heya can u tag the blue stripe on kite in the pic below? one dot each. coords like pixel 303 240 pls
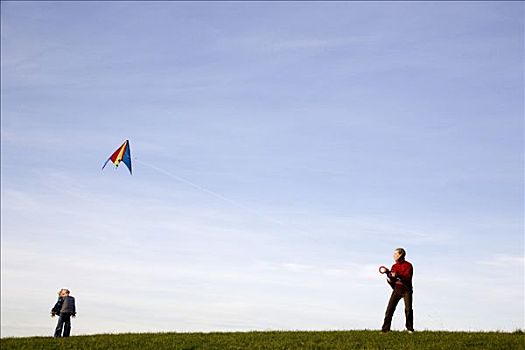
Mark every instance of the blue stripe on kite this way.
pixel 126 158
pixel 106 162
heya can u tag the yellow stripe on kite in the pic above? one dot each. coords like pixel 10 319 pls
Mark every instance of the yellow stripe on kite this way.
pixel 120 154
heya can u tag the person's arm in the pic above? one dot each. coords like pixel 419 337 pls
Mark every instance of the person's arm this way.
pixel 390 278
pixel 393 274
pixel 56 309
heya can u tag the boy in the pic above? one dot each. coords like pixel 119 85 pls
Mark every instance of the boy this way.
pixel 400 279
pixel 64 308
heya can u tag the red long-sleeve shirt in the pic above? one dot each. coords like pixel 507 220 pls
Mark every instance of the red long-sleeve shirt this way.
pixel 404 272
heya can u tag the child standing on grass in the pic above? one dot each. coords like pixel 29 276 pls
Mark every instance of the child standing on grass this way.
pixel 64 309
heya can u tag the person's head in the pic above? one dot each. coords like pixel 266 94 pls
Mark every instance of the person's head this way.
pixel 63 292
pixel 399 254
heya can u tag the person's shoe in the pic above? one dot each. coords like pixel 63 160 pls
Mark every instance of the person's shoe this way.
pixel 410 331
pixel 385 331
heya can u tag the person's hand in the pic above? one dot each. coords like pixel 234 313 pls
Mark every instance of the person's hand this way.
pixel 73 316
pixel 393 274
pixel 52 315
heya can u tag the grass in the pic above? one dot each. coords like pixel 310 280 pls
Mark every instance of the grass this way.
pixel 276 340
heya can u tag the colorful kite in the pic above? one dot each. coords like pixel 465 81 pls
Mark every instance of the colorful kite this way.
pixel 122 154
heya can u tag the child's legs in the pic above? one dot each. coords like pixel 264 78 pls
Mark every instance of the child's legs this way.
pixel 67 324
pixel 58 329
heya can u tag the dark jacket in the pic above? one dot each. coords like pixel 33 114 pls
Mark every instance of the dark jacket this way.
pixel 64 305
pixel 68 306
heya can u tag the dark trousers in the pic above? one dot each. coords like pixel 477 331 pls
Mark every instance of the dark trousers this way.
pixel 64 322
pixel 398 294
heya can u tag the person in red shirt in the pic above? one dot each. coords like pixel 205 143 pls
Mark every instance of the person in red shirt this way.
pixel 400 279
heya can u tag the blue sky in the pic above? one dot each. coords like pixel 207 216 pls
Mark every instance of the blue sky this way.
pixel 334 132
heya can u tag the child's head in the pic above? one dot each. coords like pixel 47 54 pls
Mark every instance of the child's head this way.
pixel 63 292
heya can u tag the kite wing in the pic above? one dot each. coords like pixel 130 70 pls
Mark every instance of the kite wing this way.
pixel 122 154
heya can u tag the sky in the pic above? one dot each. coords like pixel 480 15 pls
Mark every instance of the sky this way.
pixel 281 152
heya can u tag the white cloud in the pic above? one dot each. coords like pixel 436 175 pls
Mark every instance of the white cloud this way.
pixel 504 260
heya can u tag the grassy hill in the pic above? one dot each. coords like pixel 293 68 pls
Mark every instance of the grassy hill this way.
pixel 277 340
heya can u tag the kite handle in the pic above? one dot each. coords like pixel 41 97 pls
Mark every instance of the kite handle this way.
pixel 383 269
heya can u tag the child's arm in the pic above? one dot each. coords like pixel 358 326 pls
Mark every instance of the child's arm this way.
pixel 56 309
pixel 74 308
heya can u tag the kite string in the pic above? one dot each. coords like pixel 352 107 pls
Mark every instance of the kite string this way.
pixel 188 182
pixel 213 193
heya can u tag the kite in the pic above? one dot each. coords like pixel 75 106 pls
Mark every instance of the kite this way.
pixel 122 154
